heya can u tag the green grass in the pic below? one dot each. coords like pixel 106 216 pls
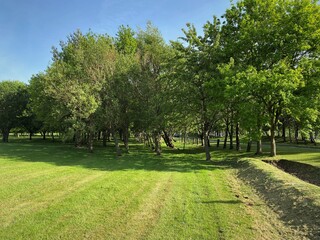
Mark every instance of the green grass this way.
pixel 53 191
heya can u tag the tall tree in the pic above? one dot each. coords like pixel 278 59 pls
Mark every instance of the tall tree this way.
pixel 198 76
pixel 150 111
pixel 272 37
pixel 13 101
pixel 77 76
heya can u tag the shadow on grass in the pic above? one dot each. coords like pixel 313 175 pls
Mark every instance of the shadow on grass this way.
pixel 104 159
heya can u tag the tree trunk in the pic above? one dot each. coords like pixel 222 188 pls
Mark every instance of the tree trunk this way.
pixel 231 136
pixel 77 136
pixel 312 140
pixel 296 133
pixel 116 143
pixel 157 143
pixel 30 136
pixel 273 149
pixel 206 145
pixel 218 143
pixel 104 138
pixel 201 138
pixel 226 135
pixel 249 146
pixel 126 138
pixel 149 142
pixel 290 135
pixel 5 135
pixel 167 139
pixel 259 147
pixel 90 141
pixel 44 135
pixel 238 146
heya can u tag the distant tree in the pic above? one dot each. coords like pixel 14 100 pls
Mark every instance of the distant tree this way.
pixel 13 102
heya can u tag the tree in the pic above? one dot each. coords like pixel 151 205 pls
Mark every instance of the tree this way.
pixel 126 73
pixel 13 101
pixel 149 108
pixel 198 76
pixel 77 76
pixel 272 37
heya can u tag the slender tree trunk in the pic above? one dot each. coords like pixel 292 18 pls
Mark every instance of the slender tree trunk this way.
pixel 126 138
pixel 5 135
pixel 168 139
pixel 273 149
pixel 30 136
pixel 90 141
pixel 312 140
pixel 290 135
pixel 226 135
pixel 150 142
pixel 52 136
pixel 116 142
pixel 44 135
pixel 238 146
pixel 77 136
pixel 157 143
pixel 104 138
pixel 231 136
pixel 218 143
pixel 249 146
pixel 259 147
pixel 206 145
pixel 296 133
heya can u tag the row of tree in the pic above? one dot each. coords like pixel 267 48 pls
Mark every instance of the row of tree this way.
pixel 253 70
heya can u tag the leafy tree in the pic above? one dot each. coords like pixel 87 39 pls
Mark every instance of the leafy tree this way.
pixel 77 76
pixel 13 101
pixel 272 37
pixel 198 76
pixel 149 110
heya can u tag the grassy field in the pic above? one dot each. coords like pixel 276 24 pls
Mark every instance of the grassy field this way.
pixel 53 191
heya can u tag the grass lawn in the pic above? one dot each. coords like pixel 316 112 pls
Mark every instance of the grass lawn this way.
pixel 53 191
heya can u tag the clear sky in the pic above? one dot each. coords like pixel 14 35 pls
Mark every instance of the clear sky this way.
pixel 29 28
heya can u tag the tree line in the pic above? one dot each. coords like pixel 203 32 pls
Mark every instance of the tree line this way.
pixel 253 71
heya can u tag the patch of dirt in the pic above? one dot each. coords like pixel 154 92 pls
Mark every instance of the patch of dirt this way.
pixel 305 172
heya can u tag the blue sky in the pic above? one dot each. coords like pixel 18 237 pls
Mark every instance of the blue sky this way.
pixel 29 28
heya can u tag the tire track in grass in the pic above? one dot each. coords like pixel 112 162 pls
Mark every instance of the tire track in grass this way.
pixel 14 212
pixel 120 223
pixel 90 217
pixel 147 216
pixel 184 215
pixel 38 224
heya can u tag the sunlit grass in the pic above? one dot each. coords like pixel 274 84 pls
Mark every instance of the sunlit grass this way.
pixel 52 191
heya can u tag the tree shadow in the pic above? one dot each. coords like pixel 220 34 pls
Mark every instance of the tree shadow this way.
pixel 105 159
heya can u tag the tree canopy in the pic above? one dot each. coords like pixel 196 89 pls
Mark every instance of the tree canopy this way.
pixel 251 72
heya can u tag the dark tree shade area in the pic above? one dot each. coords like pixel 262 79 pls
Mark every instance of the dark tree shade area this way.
pixel 254 72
